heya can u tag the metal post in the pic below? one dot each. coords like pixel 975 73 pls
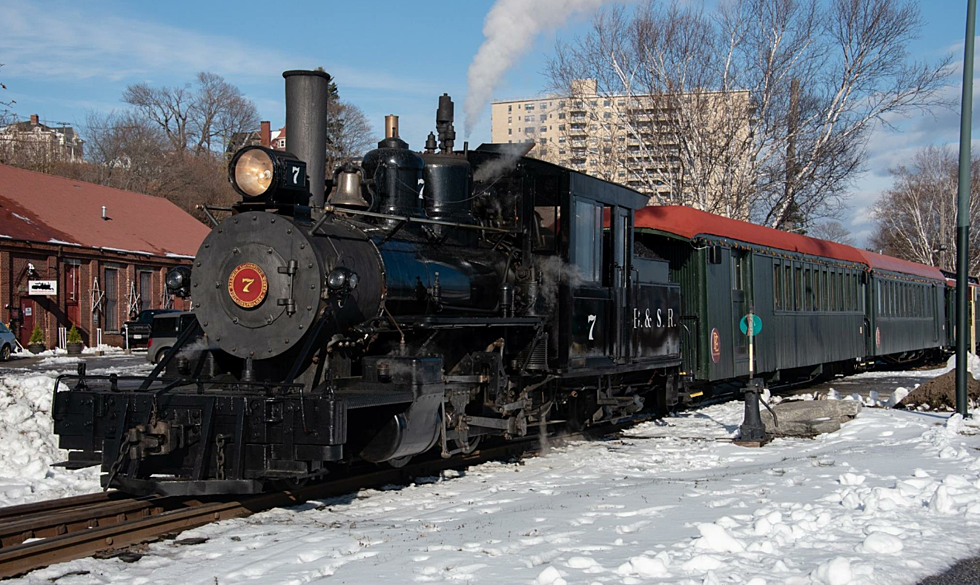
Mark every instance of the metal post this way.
pixel 963 215
pixel 752 432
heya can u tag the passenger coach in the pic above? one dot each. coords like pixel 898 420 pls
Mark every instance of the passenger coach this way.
pixel 824 308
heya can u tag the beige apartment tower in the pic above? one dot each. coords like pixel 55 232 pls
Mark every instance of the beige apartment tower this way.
pixel 680 150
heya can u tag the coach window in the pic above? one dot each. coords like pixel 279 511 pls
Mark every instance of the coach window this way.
pixel 808 289
pixel 798 287
pixel 788 286
pixel 588 248
pixel 832 289
pixel 777 285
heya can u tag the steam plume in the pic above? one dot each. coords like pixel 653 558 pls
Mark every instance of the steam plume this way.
pixel 510 28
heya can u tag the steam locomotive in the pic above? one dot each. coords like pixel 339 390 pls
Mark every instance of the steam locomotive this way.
pixel 438 298
pixel 432 300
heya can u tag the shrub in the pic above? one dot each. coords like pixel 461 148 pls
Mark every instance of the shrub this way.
pixel 37 336
pixel 74 335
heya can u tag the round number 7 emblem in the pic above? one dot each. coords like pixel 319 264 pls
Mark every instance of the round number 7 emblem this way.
pixel 247 285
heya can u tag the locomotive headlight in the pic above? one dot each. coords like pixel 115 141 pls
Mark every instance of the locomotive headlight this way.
pixel 253 172
pixel 259 173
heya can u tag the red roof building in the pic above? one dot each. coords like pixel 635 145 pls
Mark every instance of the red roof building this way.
pixel 76 253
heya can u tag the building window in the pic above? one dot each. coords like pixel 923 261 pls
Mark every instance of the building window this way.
pixel 543 129
pixel 111 299
pixel 510 131
pixel 607 115
pixel 510 109
pixel 543 105
pixel 561 104
pixel 528 118
pixel 529 107
pixel 543 141
pixel 542 117
pixel 146 290
pixel 510 119
pixel 606 103
pixel 621 102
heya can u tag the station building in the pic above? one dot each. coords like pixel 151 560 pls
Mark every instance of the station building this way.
pixel 76 253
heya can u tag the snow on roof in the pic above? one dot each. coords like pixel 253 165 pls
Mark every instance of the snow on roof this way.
pixel 45 208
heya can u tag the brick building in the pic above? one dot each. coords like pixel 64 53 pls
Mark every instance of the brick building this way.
pixel 77 253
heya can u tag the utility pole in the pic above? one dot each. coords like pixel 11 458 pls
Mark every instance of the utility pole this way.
pixel 963 216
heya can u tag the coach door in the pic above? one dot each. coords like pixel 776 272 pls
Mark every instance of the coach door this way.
pixel 741 303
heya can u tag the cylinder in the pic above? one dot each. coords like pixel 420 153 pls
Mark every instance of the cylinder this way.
pixel 306 125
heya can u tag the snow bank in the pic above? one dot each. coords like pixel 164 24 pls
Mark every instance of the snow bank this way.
pixel 29 445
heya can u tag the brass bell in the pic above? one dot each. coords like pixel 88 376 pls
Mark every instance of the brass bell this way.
pixel 348 191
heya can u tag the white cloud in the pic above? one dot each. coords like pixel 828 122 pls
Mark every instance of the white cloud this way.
pixel 69 42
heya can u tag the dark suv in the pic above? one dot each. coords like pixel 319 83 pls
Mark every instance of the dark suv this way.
pixel 165 330
pixel 138 330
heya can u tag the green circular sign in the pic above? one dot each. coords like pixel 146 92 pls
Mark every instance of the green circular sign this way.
pixel 756 325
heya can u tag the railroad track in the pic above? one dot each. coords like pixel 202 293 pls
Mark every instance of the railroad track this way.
pixel 33 536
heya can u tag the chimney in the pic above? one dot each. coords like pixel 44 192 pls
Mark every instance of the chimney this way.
pixel 265 134
pixel 34 120
pixel 103 212
pixel 306 125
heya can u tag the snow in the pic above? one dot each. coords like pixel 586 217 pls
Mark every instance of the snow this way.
pixel 890 498
pixel 30 446
pixel 62 242
pixel 173 255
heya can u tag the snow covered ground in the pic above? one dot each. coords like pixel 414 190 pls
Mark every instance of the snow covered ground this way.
pixel 890 498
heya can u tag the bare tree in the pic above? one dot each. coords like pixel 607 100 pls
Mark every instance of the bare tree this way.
pixel 916 218
pixel 125 149
pixel 196 117
pixel 6 115
pixel 349 134
pixel 761 106
pixel 832 231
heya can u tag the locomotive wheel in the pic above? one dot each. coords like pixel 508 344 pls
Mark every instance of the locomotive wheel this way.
pixel 399 462
pixel 291 484
pixel 468 446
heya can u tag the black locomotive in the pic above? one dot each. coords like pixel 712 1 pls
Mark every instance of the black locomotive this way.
pixel 434 299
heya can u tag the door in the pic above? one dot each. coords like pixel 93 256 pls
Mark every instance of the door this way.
pixel 741 304
pixel 27 322
pixel 72 295
pixel 621 253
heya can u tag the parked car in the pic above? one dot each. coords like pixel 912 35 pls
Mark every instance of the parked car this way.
pixel 8 342
pixel 138 330
pixel 164 330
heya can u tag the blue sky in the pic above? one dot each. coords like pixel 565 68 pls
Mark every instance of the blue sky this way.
pixel 63 59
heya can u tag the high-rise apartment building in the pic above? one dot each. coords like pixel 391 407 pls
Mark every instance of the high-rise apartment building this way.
pixel 688 149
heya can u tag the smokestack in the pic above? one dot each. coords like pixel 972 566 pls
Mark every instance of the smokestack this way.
pixel 391 126
pixel 265 134
pixel 306 125
pixel 34 119
pixel 103 212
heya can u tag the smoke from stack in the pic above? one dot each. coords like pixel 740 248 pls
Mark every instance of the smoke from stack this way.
pixel 510 28
pixel 493 168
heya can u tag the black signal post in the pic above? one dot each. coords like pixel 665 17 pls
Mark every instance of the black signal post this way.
pixel 963 216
